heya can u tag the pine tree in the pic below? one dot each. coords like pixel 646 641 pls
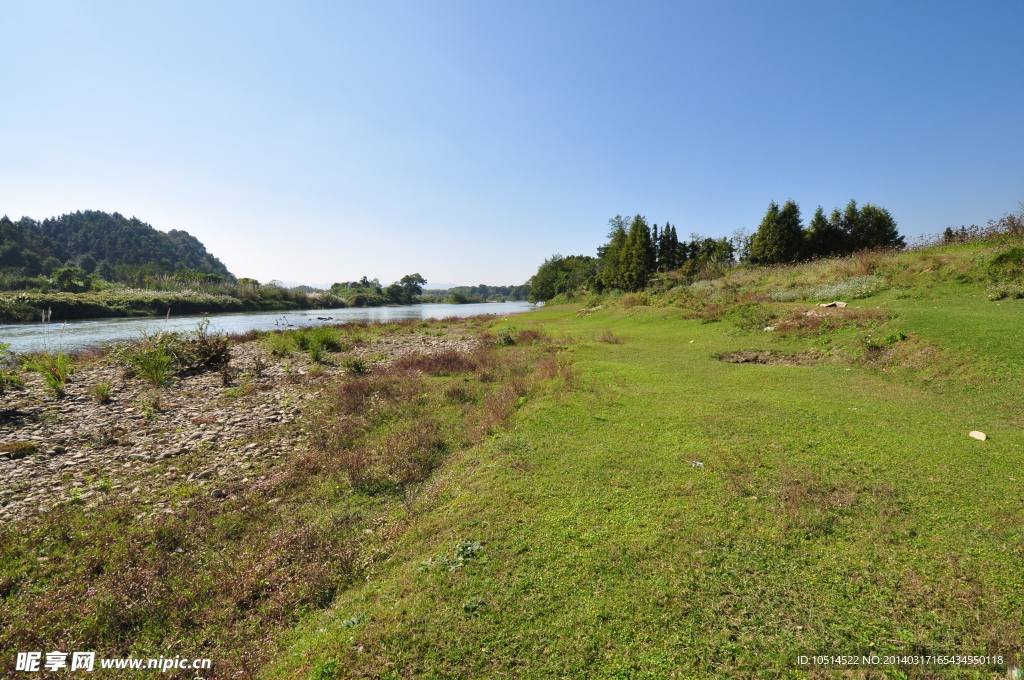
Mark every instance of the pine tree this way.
pixel 636 262
pixel 824 237
pixel 611 253
pixel 780 236
pixel 676 248
pixel 878 228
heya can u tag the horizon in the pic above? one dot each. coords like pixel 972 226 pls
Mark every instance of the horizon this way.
pixel 317 142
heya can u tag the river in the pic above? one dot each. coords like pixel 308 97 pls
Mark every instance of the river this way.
pixel 90 333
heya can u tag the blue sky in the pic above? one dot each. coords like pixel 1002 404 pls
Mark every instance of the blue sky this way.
pixel 317 142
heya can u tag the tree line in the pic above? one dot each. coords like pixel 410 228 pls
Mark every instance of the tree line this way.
pixel 636 251
pixel 108 246
pixel 782 238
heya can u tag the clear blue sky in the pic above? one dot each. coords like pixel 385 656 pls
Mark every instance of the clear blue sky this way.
pixel 467 141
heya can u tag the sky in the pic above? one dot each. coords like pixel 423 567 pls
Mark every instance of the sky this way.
pixel 467 141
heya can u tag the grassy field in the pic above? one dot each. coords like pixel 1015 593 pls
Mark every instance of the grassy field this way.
pixel 707 479
pixel 662 513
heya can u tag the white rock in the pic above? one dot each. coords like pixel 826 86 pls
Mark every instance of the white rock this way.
pixel 978 435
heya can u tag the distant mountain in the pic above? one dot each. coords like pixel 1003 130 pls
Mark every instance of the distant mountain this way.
pixel 101 241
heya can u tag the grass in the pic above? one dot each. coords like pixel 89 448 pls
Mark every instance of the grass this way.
pixel 222 578
pixel 54 368
pixel 838 505
pixel 657 488
pixel 101 392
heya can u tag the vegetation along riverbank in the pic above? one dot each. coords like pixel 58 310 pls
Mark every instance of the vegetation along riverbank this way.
pixel 705 478
pixel 92 264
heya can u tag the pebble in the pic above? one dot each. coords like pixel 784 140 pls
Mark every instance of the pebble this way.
pixel 115 450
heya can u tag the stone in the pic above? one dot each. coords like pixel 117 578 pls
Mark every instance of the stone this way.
pixel 833 304
pixel 218 493
pixel 978 435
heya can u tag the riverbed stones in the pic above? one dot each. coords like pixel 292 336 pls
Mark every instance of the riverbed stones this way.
pixel 123 449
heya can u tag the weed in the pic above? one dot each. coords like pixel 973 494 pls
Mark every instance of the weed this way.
pixel 228 374
pixel 317 352
pixel 328 670
pixel 18 449
pixel 610 338
pixel 55 369
pixel 279 344
pixel 356 366
pixel 9 381
pixel 101 392
pixel 505 338
pixel 154 365
pixel 354 621
pixel 258 366
pixel 473 606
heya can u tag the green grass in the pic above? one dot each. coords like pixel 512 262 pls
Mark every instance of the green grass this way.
pixel 840 507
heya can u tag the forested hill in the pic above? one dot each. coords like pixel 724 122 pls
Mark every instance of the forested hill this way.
pixel 101 241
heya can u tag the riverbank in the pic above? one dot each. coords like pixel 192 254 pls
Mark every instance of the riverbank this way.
pixel 16 306
pixel 210 513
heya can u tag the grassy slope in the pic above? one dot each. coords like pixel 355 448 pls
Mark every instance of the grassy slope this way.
pixel 840 510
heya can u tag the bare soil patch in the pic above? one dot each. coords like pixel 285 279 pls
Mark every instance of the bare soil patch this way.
pixel 770 357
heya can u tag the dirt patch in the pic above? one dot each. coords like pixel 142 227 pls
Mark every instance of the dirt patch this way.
pixel 769 357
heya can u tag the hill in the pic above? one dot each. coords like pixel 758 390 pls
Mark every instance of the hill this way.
pixel 102 242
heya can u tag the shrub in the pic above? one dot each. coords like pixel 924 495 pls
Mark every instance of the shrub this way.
pixel 1007 265
pixel 55 369
pixel 505 338
pixel 356 366
pixel 169 353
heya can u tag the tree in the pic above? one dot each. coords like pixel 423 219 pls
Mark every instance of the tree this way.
pixel 562 275
pixel 637 259
pixel 824 237
pixel 395 293
pixel 609 254
pixel 412 285
pixel 878 228
pixel 779 238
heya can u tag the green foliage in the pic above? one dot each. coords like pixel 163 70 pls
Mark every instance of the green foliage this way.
pixel 1007 265
pixel 159 357
pixel 356 366
pixel 610 254
pixel 328 670
pixel 779 237
pixel 54 368
pixel 824 237
pixel 505 338
pixel 560 275
pixel 10 380
pixel 154 364
pixel 637 257
pixel 480 293
pixel 101 392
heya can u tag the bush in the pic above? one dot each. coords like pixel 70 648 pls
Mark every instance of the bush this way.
pixel 1007 265
pixel 163 355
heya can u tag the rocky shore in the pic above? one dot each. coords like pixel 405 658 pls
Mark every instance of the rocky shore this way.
pixel 141 445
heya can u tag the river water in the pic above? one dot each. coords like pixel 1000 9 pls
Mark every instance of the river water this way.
pixel 90 333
